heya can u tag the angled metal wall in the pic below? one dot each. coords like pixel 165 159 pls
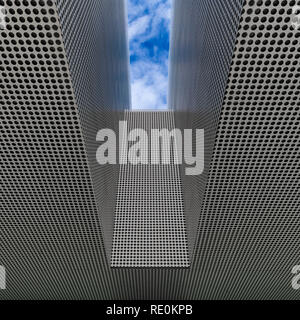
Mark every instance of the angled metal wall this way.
pixel 202 43
pixel 95 39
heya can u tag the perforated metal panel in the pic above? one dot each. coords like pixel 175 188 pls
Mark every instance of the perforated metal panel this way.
pixel 250 219
pixel 51 242
pixel 247 241
pixel 150 222
pixel 48 209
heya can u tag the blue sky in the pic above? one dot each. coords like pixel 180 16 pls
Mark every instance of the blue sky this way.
pixel 149 30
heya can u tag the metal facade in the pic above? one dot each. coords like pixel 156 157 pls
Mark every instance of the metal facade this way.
pixel 234 72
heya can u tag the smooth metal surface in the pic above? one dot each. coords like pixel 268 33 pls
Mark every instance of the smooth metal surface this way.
pixel 202 42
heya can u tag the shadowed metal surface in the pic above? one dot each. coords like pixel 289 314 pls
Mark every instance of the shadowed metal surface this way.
pixel 202 42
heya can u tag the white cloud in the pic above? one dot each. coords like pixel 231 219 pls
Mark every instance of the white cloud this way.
pixel 149 17
pixel 149 87
pixel 138 26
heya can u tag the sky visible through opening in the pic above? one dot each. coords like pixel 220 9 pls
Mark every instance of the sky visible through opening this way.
pixel 149 33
